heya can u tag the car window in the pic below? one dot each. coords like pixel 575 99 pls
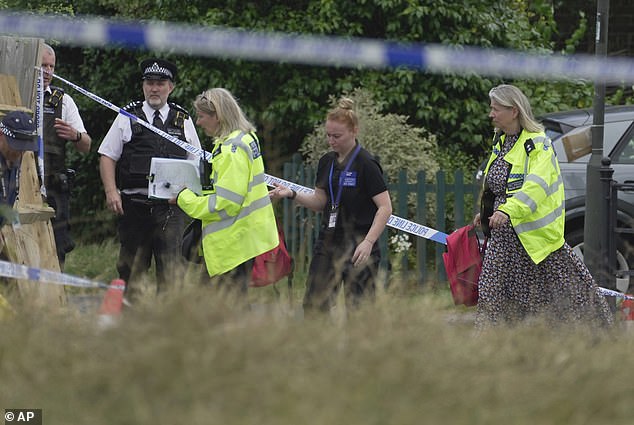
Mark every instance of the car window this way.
pixel 612 133
pixel 624 154
pixel 553 133
pixel 576 144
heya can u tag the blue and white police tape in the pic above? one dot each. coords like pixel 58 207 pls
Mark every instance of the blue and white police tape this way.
pixel 39 121
pixel 19 271
pixel 186 146
pixel 316 50
pixel 395 222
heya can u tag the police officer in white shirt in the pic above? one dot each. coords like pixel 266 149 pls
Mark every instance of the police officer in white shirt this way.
pixel 148 228
pixel 63 126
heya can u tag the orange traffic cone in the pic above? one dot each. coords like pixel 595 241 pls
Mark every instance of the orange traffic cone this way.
pixel 112 302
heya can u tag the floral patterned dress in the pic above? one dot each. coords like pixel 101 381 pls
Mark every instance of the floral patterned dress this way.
pixel 512 286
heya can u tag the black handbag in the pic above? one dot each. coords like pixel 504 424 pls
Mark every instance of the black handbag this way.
pixel 486 209
pixel 192 237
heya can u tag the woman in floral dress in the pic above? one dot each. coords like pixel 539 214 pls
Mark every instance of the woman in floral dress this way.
pixel 528 268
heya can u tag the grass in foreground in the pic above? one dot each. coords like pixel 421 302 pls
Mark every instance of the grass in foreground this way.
pixel 412 358
pixel 194 358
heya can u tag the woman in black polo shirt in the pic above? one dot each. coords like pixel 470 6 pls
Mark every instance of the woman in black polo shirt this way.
pixel 352 196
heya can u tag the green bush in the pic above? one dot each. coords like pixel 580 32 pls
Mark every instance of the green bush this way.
pixel 397 144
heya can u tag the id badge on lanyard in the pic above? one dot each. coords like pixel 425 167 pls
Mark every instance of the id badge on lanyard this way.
pixel 346 178
pixel 332 218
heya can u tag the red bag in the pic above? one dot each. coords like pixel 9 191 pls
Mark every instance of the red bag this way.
pixel 463 263
pixel 273 265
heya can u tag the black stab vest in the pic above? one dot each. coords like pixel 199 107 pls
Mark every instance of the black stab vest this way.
pixel 54 146
pixel 134 165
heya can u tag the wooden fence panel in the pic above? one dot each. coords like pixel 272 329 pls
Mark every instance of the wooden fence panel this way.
pixel 20 55
pixel 453 200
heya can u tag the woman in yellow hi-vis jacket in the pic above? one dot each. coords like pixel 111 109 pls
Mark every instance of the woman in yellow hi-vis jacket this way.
pixel 238 222
pixel 528 268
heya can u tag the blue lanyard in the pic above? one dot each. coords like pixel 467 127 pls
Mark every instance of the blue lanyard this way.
pixel 335 204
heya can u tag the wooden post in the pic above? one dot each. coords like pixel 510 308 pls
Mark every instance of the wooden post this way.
pixel 31 242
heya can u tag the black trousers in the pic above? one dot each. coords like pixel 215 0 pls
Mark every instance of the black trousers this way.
pixel 236 280
pixel 331 267
pixel 59 200
pixel 149 229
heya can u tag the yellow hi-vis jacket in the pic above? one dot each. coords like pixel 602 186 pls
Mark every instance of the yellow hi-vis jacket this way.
pixel 238 222
pixel 535 194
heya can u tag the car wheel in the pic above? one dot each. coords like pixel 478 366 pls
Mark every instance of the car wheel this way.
pixel 623 262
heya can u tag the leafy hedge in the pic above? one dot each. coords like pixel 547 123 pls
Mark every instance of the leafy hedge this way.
pixel 287 101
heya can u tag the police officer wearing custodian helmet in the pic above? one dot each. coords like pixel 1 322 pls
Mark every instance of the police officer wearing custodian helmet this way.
pixel 147 228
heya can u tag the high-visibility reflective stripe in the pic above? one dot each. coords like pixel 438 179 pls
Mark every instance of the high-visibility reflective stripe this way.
pixel 211 205
pixel 526 200
pixel 223 215
pixel 229 221
pixel 236 197
pixel 542 222
pixel 548 190
pixel 554 162
pixel 237 141
pixel 230 195
pixel 257 179
pixel 543 141
pixel 211 202
pixel 244 147
pixel 537 179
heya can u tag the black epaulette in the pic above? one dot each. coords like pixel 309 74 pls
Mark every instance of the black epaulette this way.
pixel 180 116
pixel 132 108
pixel 133 105
pixel 529 146
pixel 57 93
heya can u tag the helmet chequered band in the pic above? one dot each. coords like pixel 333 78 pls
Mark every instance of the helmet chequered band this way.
pixel 6 131
pixel 156 69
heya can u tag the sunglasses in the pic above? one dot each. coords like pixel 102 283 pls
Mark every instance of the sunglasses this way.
pixel 212 107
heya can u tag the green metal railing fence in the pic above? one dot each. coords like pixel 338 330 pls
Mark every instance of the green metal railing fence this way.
pixel 444 204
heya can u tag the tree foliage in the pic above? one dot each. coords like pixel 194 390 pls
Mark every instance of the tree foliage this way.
pixel 287 101
pixel 397 144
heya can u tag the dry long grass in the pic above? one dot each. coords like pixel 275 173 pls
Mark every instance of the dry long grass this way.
pixel 194 358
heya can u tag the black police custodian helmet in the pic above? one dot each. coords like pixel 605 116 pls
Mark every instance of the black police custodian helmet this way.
pixel 158 69
pixel 19 129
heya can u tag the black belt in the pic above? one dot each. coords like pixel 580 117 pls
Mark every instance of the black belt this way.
pixel 56 181
pixel 138 198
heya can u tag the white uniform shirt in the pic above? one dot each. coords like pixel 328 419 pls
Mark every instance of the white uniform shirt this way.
pixel 120 133
pixel 70 112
